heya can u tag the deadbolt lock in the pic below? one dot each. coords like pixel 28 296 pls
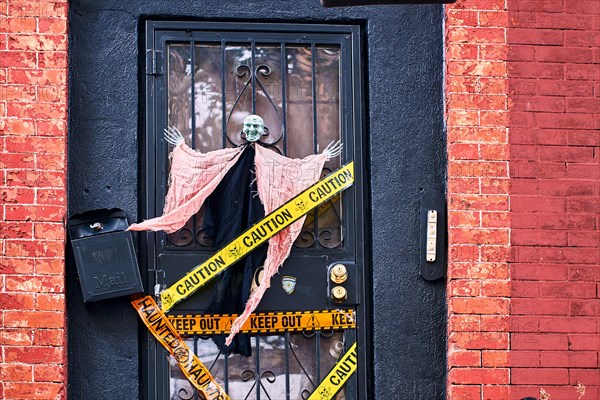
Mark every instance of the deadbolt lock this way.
pixel 339 274
pixel 339 294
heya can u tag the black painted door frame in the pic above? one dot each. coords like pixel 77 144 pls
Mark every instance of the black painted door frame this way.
pixel 405 155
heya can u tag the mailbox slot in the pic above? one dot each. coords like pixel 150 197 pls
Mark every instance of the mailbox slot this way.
pixel 104 255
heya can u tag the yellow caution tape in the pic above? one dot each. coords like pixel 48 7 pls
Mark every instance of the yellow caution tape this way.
pixel 258 234
pixel 338 376
pixel 266 322
pixel 159 325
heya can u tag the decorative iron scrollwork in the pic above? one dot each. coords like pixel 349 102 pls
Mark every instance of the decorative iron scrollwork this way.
pixel 249 374
pixel 253 82
pixel 203 239
pixel 182 237
pixel 185 393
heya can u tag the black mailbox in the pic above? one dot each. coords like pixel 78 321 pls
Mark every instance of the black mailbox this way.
pixel 104 254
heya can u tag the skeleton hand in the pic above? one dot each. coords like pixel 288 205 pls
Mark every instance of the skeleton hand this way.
pixel 173 136
pixel 333 149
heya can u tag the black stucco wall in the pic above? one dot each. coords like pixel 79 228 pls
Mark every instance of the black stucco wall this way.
pixel 404 87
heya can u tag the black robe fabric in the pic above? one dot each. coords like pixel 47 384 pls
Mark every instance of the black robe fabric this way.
pixel 233 207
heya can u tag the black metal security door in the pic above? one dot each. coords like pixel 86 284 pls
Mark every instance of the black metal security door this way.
pixel 304 81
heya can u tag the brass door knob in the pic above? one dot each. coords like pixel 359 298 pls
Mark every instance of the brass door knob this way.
pixel 339 294
pixel 339 273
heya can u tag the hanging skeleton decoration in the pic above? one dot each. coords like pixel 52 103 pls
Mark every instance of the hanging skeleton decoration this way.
pixel 227 176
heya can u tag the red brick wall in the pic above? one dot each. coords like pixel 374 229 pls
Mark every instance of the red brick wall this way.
pixel 478 200
pixel 33 44
pixel 554 135
pixel 523 109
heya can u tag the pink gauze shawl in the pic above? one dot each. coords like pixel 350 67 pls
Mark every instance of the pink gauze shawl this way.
pixel 194 176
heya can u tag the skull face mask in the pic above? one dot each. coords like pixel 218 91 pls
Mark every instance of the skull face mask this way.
pixel 253 128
